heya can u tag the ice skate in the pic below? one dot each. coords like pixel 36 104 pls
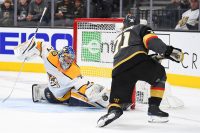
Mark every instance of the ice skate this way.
pixel 113 114
pixel 156 115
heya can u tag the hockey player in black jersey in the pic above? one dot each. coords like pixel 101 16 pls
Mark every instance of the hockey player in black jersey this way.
pixel 132 63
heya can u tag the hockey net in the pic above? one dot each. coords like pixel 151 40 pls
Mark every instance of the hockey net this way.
pixel 142 94
pixel 94 46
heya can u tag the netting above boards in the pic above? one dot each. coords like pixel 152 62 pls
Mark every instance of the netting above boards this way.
pixel 94 45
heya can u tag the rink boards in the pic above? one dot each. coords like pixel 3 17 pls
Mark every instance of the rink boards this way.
pixel 184 74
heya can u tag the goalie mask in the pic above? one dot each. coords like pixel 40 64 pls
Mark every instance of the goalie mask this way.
pixel 66 57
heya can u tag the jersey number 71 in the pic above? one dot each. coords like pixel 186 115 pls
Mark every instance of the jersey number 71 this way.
pixel 122 41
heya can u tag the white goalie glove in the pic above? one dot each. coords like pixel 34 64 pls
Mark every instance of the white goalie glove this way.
pixel 96 92
pixel 26 50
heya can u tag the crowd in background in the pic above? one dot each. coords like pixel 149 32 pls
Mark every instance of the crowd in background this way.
pixel 29 12
pixel 65 11
pixel 177 14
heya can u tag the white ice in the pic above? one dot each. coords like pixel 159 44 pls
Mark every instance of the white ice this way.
pixel 20 115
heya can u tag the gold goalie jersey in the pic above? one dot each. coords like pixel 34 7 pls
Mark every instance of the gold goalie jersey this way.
pixel 60 81
pixel 65 79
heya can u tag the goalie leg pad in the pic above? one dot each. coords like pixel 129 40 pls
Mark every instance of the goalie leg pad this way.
pixel 96 92
pixel 104 100
pixel 78 99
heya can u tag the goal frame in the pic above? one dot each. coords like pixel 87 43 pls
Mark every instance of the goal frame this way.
pixel 77 20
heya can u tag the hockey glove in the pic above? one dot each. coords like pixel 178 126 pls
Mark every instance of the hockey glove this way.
pixel 26 50
pixel 174 54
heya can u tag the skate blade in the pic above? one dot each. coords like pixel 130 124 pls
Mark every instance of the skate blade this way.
pixel 103 121
pixel 157 119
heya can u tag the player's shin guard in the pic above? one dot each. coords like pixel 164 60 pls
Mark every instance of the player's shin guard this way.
pixel 154 113
pixel 114 113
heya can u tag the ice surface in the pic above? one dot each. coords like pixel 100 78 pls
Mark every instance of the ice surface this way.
pixel 20 115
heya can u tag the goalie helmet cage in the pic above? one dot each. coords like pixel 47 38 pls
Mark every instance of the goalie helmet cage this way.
pixel 93 42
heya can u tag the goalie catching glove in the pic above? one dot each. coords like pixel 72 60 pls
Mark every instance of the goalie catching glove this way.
pixel 26 50
pixel 174 54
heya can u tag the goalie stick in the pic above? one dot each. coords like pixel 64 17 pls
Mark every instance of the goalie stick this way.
pixel 27 49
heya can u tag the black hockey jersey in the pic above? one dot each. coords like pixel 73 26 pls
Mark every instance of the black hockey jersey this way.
pixel 132 47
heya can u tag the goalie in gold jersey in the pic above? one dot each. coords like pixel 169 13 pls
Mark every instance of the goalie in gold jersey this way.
pixel 66 84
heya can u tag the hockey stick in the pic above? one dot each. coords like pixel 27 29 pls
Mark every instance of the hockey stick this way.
pixel 28 48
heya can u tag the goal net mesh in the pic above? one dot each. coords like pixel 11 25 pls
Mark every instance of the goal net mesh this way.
pixel 95 45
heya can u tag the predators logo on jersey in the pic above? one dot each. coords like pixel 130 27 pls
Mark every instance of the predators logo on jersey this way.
pixel 53 81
